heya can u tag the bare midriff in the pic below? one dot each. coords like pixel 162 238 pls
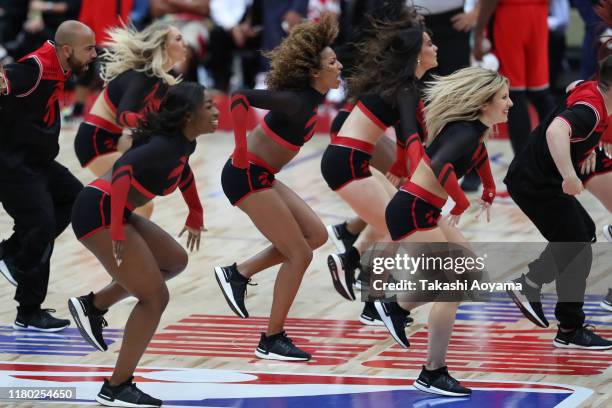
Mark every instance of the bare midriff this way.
pixel 358 126
pixel 100 108
pixel 425 178
pixel 262 146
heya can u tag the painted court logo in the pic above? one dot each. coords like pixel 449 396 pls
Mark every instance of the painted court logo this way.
pixel 221 388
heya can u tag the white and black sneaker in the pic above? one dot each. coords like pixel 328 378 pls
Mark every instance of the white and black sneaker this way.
pixel 234 288
pixel 529 301
pixel 607 231
pixel 370 317
pixel 341 276
pixel 582 338
pixel 89 320
pixel 125 395
pixel 606 303
pixel 395 319
pixel 8 270
pixel 341 237
pixel 39 320
pixel 279 347
pixel 440 382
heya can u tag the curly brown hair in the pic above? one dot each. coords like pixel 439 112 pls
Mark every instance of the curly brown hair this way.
pixel 292 63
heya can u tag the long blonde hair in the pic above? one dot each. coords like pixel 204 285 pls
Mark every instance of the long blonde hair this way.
pixel 459 96
pixel 142 51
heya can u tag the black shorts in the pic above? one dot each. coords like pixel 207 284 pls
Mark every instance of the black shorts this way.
pixel 239 183
pixel 342 164
pixel 94 139
pixel 91 211
pixel 406 213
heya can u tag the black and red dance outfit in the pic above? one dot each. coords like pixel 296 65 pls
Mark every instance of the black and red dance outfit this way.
pixel 155 168
pixel 35 190
pixel 535 184
pixel 130 96
pixel 290 122
pixel 603 163
pixel 457 150
pixel 347 159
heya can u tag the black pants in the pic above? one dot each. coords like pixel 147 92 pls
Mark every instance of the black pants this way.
pixel 41 209
pixel 568 257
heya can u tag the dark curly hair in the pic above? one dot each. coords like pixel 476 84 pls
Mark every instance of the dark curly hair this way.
pixel 294 60
pixel 393 13
pixel 388 61
pixel 169 120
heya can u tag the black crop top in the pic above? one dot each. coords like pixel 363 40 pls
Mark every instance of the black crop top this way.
pixel 156 168
pixel 132 94
pixel 407 116
pixel 456 150
pixel 290 122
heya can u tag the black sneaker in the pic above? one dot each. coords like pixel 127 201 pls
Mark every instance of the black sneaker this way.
pixel 39 320
pixel 125 395
pixel 395 319
pixel 89 320
pixel 440 382
pixel 471 182
pixel 362 281
pixel 8 270
pixel 607 302
pixel 279 347
pixel 582 338
pixel 342 278
pixel 370 317
pixel 528 300
pixel 341 237
pixel 607 231
pixel 234 288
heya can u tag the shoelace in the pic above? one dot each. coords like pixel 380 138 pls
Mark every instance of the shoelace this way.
pixel 48 310
pixel 248 283
pixel 102 320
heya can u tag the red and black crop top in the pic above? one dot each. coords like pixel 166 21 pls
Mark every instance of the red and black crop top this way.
pixel 133 94
pixel 290 122
pixel 407 116
pixel 456 151
pixel 156 168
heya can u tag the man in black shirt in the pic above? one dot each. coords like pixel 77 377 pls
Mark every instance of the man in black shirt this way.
pixel 35 190
pixel 543 180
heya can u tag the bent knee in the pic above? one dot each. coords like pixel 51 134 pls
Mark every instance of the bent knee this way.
pixel 318 237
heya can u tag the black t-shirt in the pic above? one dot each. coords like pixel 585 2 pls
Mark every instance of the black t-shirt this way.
pixel 583 111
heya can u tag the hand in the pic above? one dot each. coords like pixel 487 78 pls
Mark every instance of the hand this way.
pixel 588 165
pixel 34 25
pixel 193 237
pixel 453 220
pixel 484 207
pixel 3 81
pixel 395 180
pixel 464 21
pixel 292 18
pixel 572 186
pixel 118 251
pixel 477 49
pixel 608 150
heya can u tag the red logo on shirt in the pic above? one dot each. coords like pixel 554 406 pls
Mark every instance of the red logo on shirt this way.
pixel 51 109
pixel 175 175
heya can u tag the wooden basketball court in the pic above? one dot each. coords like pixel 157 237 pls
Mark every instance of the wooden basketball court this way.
pixel 202 354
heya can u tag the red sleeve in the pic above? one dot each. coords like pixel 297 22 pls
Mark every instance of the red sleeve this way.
pixel 240 109
pixel 412 150
pixel 120 187
pixel 188 188
pixel 129 119
pixel 448 180
pixel 483 167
